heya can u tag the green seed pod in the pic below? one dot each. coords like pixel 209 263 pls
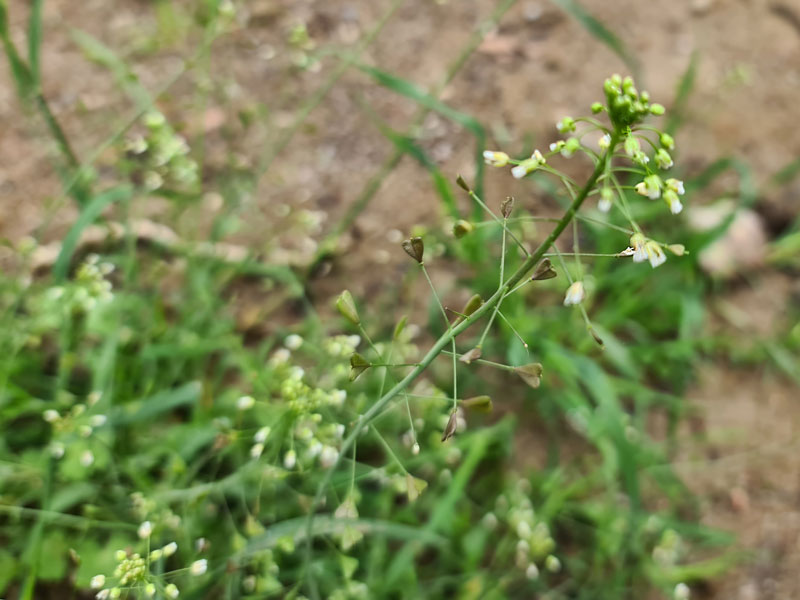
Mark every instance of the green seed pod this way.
pixel 347 307
pixel 462 228
pixel 472 305
pixel 545 270
pixel 358 364
pixel 530 374
pixel 507 206
pixel 415 248
pixel 478 403
pixel 463 184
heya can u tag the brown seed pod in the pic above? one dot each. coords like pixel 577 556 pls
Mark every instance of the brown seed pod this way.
pixel 545 270
pixel 415 248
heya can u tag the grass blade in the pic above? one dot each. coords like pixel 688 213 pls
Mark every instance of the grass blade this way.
pixel 685 86
pixel 35 41
pixel 89 215
pixel 599 31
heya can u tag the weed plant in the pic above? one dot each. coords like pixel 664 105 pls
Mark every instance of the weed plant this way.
pixel 150 448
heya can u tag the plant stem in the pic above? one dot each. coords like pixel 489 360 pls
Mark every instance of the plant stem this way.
pixel 449 336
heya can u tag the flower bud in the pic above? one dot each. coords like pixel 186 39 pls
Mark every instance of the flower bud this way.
pixel 462 228
pixel 663 159
pixel 677 249
pixel 657 109
pixel 667 141
pixel 530 374
pixel 358 364
pixel 506 206
pixel 597 107
pixel 632 145
pixel 571 146
pixel 544 271
pixel 566 125
pixel 415 248
pixel 478 403
pixel 606 200
pixel 495 159
pixel 347 307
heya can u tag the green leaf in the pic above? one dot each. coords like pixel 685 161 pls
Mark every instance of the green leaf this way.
pixel 89 215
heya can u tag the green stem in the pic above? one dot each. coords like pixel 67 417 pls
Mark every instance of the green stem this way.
pixel 449 336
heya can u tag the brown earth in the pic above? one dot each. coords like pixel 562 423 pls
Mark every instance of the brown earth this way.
pixel 538 65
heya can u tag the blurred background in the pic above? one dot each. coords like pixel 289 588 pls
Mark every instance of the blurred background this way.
pixel 240 163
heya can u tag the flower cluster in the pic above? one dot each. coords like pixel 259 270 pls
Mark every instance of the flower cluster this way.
pixel 535 545
pixel 160 156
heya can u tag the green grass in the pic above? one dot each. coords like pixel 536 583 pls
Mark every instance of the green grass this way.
pixel 150 378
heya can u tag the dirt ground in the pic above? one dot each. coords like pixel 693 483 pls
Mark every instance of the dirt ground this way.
pixel 536 66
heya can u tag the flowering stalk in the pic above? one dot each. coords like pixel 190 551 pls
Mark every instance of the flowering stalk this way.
pixel 448 336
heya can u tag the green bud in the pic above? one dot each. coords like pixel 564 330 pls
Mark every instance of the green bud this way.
pixel 478 404
pixel 506 206
pixel 462 228
pixel 358 364
pixel 463 184
pixel 667 141
pixel 415 248
pixel 597 107
pixel 530 374
pixel 657 109
pixel 632 145
pixel 347 307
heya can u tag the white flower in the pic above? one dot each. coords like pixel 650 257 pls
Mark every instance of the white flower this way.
pixel 262 435
pixel 245 403
pixel 102 594
pixel 575 294
pixel 50 415
pixel 293 341
pixel 538 157
pixel 675 207
pixel 170 549
pixel 280 357
pixel 98 420
pixel 638 242
pixel 557 146
pixel 676 185
pixel 290 459
pixel 57 449
pixel 87 458
pixel 681 592
pixel 566 125
pixel 145 530
pixel 655 254
pixel 97 582
pixel 495 159
pixel 663 159
pixel 606 199
pixel 415 449
pixel 604 143
pixel 627 252
pixel 256 450
pixel 199 567
pixel 328 456
pixel 532 572
pixel 171 591
pixel 650 187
